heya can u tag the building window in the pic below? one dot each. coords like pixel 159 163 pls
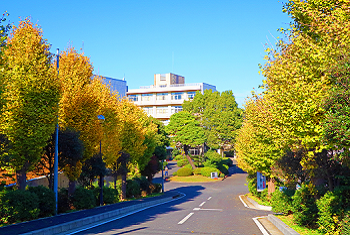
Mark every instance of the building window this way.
pixel 133 98
pixel 191 94
pixel 162 110
pixel 162 77
pixel 176 95
pixel 162 96
pixel 176 109
pixel 148 110
pixel 146 97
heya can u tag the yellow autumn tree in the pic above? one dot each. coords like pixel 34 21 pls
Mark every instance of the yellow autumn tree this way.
pixel 30 95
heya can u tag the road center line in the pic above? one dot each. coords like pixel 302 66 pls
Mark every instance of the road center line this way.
pixel 202 204
pixel 186 218
pixel 209 198
pixel 200 209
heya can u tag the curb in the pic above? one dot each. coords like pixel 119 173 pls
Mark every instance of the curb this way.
pixel 258 206
pixel 112 215
pixel 285 229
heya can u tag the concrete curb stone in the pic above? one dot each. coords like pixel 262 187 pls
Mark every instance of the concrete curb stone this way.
pixel 76 224
pixel 285 229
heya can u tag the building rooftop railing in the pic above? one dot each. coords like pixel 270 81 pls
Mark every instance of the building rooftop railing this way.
pixel 173 85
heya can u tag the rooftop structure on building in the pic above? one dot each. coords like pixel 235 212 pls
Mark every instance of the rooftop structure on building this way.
pixel 118 85
pixel 167 95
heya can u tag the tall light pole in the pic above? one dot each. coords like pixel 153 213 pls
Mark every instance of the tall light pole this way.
pixel 55 180
pixel 101 118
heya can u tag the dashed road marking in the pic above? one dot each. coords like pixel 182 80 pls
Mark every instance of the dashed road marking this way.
pixel 209 198
pixel 186 218
pixel 202 204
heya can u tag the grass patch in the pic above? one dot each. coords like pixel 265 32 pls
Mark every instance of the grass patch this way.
pixel 258 200
pixel 193 179
pixel 288 220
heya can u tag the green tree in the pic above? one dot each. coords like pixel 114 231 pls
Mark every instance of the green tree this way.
pixel 31 94
pixel 186 130
pixel 219 116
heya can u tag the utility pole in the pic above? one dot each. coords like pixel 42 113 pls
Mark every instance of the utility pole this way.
pixel 55 180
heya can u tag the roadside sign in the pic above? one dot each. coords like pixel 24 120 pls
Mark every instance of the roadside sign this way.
pixel 260 181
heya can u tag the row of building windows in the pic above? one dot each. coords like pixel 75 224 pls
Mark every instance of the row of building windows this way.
pixel 163 110
pixel 162 96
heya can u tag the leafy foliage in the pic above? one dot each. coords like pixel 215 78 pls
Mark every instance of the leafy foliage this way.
pixel 30 96
pixel 184 171
pixel 47 201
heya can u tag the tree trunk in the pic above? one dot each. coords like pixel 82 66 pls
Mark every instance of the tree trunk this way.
pixel 21 177
pixel 222 151
pixel 123 187
pixel 186 148
pixel 71 187
pixel 115 180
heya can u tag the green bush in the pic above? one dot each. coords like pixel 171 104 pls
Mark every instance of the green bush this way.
pixel 212 158
pixel 206 171
pixel 176 152
pixel 345 225
pixel 175 173
pixel 197 171
pixel 223 168
pixel 281 201
pixel 110 195
pixel 227 161
pixel 157 188
pixel 304 206
pixel 184 171
pixel 132 188
pixel 252 185
pixel 332 208
pixel 18 206
pixel 83 199
pixel 63 201
pixel 179 157
pixel 188 166
pixel 47 201
pixel 182 162
pixel 143 182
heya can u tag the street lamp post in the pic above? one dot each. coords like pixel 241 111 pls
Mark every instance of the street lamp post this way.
pixel 55 177
pixel 101 118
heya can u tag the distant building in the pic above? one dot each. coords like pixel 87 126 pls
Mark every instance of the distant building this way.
pixel 118 85
pixel 166 96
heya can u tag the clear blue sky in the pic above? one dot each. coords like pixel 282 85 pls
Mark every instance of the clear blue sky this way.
pixel 216 42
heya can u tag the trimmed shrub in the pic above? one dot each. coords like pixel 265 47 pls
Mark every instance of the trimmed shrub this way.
pixel 281 201
pixel 227 161
pixel 18 206
pixel 197 171
pixel 158 188
pixel 179 157
pixel 332 208
pixel 132 189
pixel 252 185
pixel 304 206
pixel 223 168
pixel 47 201
pixel 188 166
pixel 184 171
pixel 175 173
pixel 182 162
pixel 63 201
pixel 83 199
pixel 206 171
pixel 110 195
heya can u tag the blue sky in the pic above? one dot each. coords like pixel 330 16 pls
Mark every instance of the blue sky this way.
pixel 216 42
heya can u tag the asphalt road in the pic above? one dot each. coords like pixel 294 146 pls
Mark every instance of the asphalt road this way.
pixel 207 208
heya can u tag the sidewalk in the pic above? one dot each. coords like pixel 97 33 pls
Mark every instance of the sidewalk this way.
pixel 65 223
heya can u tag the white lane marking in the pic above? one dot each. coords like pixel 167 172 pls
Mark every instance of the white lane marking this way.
pixel 131 213
pixel 200 209
pixel 202 204
pixel 243 201
pixel 262 229
pixel 186 218
pixel 209 198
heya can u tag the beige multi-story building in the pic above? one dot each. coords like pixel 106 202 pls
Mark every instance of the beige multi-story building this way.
pixel 166 96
